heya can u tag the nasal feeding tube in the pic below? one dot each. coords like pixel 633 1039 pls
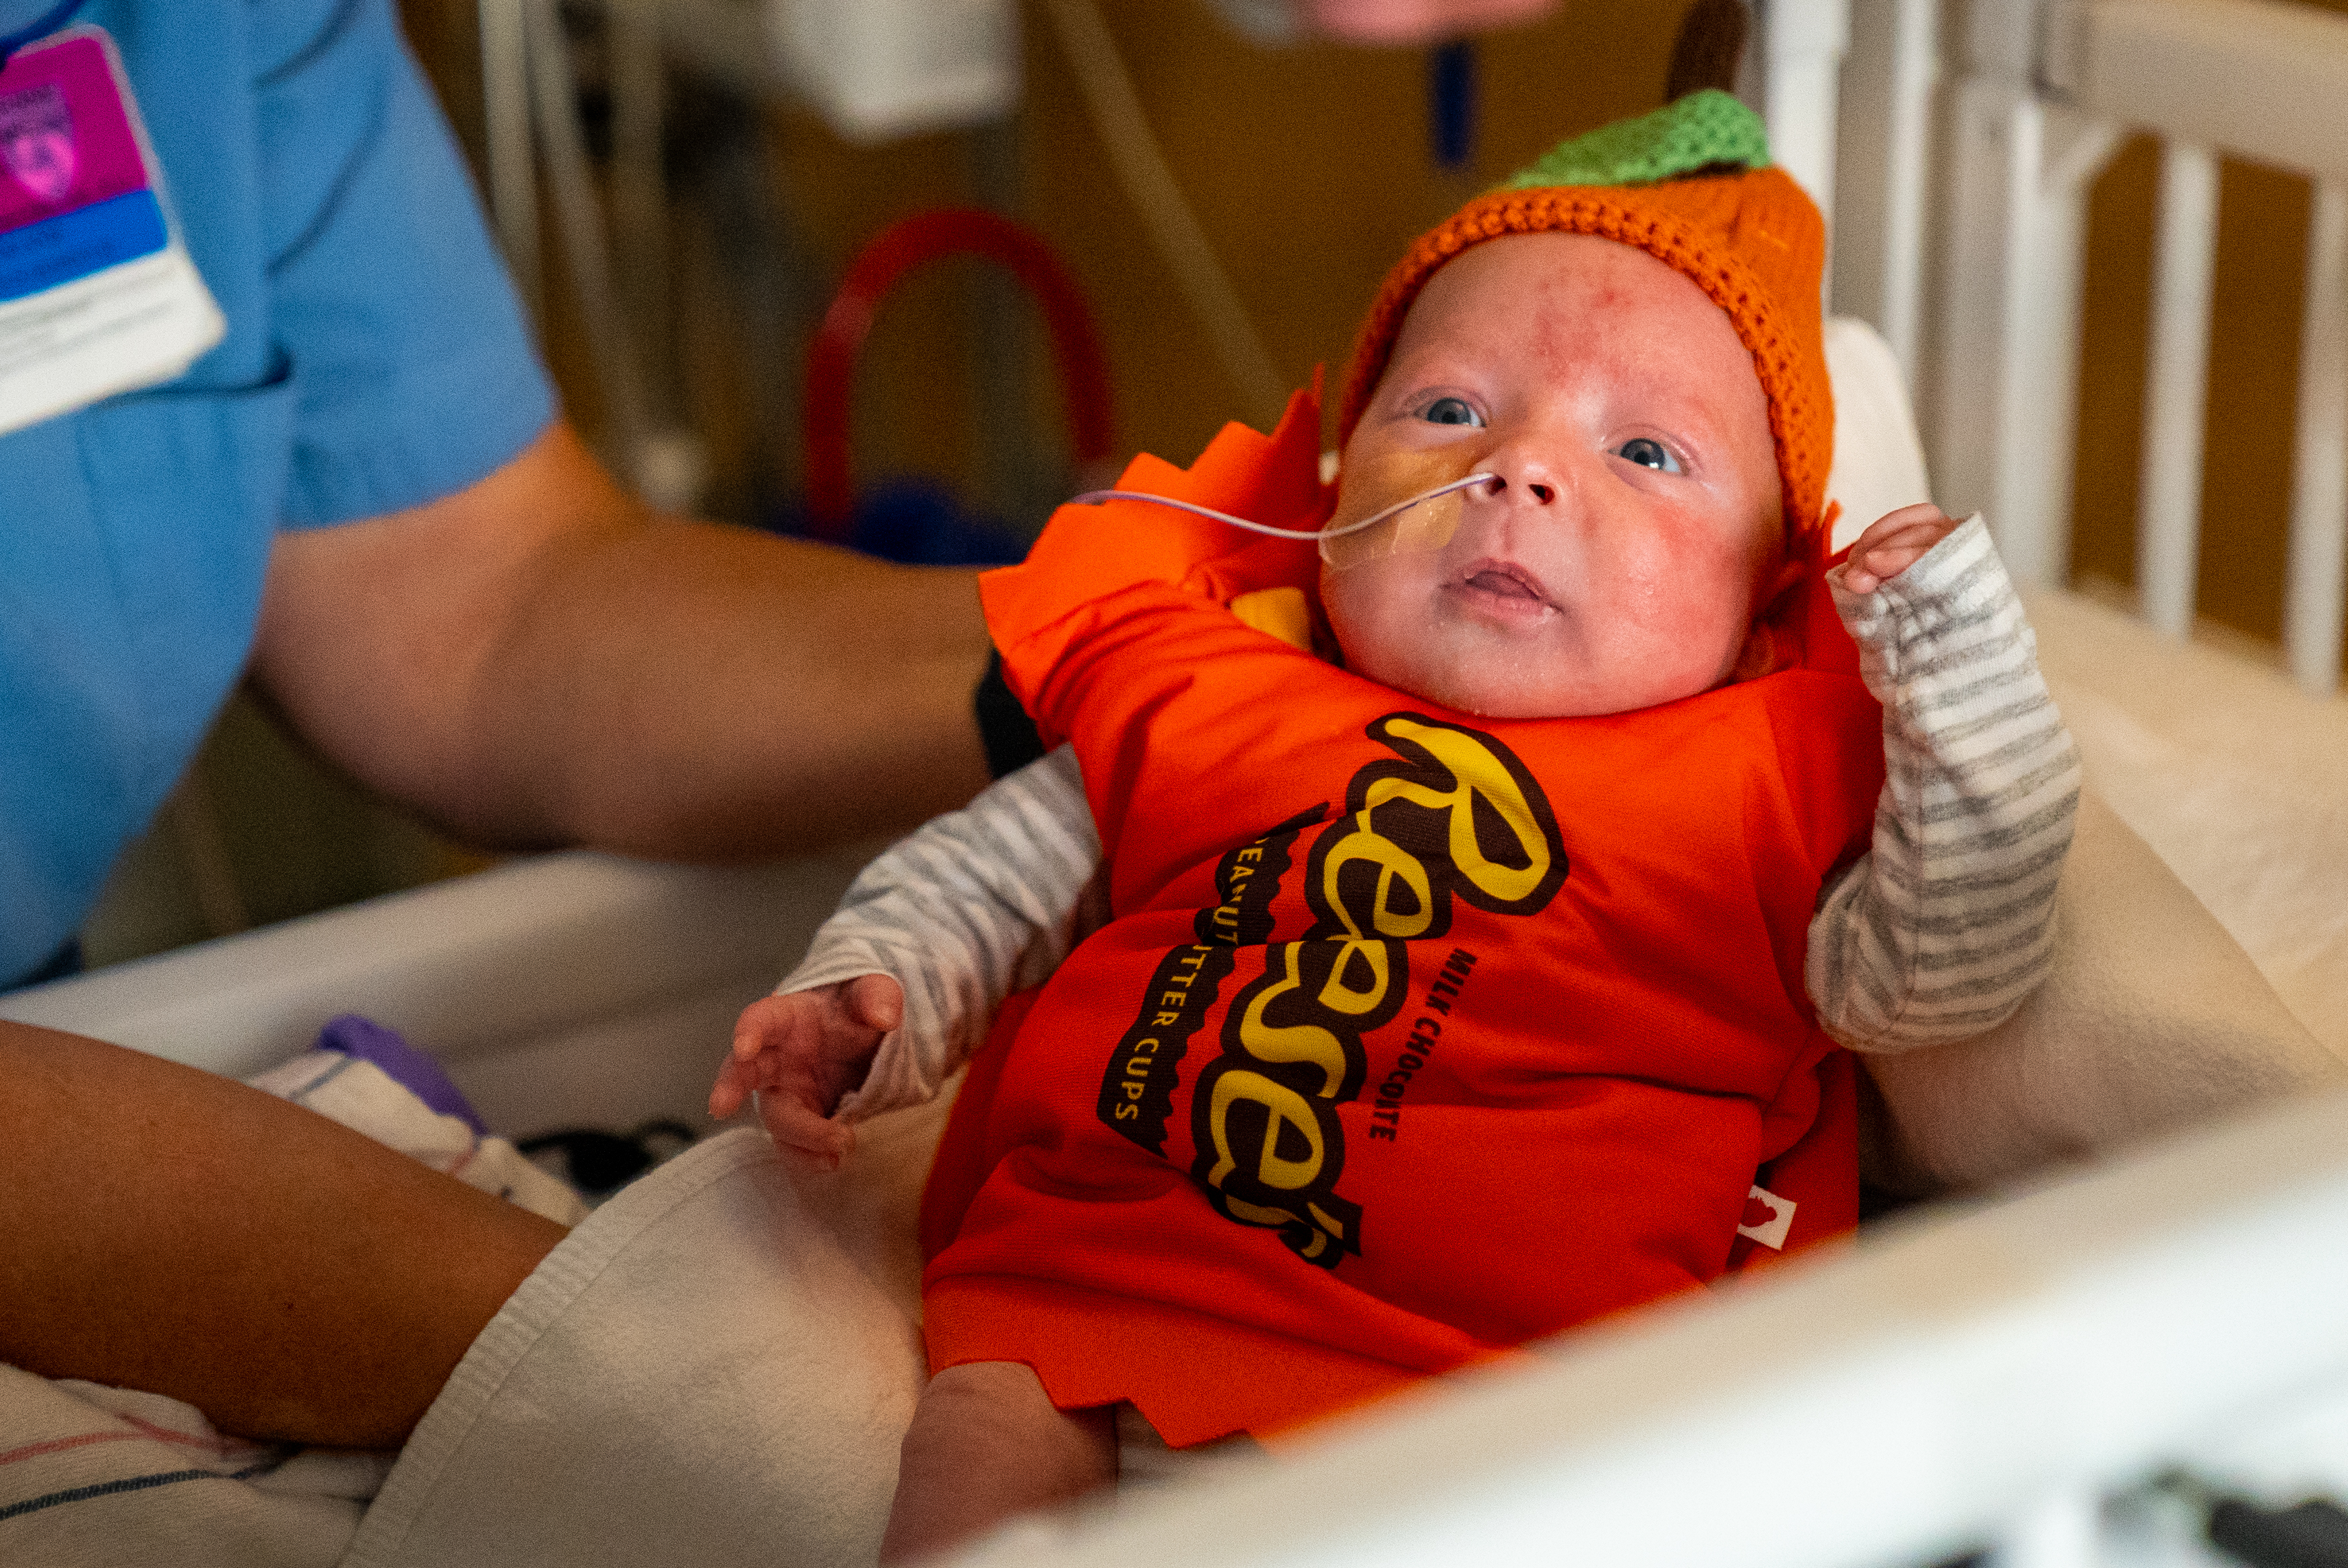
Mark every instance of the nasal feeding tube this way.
pixel 1425 521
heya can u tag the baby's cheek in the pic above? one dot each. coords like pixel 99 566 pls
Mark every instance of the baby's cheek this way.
pixel 1694 596
pixel 1354 600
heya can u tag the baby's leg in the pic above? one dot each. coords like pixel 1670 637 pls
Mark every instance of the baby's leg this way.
pixel 987 1443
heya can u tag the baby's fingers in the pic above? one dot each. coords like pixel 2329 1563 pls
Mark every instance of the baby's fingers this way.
pixel 1909 523
pixel 1892 544
pixel 736 1079
pixel 762 1023
pixel 1923 521
pixel 802 1133
pixel 1865 574
pixel 1911 538
pixel 877 1002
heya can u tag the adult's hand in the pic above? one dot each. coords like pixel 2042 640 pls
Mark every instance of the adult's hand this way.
pixel 540 660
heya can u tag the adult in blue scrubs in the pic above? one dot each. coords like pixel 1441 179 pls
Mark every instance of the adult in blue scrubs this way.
pixel 365 501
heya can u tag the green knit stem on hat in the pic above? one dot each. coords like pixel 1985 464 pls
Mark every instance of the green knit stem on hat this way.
pixel 1704 130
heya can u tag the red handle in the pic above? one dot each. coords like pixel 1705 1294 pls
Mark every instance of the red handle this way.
pixel 895 250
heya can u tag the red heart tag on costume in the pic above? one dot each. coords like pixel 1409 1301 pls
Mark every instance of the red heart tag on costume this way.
pixel 1767 1218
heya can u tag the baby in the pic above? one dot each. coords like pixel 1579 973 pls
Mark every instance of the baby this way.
pixel 1487 889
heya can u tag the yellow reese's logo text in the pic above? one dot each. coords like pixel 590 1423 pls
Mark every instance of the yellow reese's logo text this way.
pixel 1453 815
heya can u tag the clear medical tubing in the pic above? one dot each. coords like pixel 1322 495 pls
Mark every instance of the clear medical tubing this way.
pixel 1429 530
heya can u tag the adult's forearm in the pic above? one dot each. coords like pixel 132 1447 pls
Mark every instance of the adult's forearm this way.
pixel 705 692
pixel 173 1232
pixel 537 661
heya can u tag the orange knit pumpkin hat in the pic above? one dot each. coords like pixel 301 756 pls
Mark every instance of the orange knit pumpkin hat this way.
pixel 1692 186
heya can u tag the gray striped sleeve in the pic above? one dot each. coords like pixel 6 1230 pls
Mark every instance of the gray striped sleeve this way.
pixel 1947 923
pixel 977 904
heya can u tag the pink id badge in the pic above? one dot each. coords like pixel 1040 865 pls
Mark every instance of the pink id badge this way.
pixel 98 294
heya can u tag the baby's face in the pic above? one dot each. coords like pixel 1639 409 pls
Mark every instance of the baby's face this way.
pixel 1636 528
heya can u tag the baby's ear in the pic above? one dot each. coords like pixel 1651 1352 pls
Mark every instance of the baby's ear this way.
pixel 1762 654
pixel 1774 584
pixel 1759 657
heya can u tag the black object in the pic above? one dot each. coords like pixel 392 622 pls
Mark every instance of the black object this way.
pixel 917 521
pixel 599 1163
pixel 2313 1534
pixel 1451 104
pixel 1709 49
pixel 1003 726
pixel 914 522
pixel 1880 1202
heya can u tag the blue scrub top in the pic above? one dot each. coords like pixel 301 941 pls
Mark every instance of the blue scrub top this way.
pixel 375 359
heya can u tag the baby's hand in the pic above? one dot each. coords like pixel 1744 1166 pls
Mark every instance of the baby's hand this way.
pixel 1892 543
pixel 800 1053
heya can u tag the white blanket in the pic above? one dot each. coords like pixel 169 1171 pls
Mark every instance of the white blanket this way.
pixel 93 1476
pixel 715 1368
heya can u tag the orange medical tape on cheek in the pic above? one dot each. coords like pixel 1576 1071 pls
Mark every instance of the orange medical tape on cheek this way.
pixel 1422 527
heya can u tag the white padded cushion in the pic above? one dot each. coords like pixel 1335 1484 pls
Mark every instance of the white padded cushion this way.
pixel 1878 463
pixel 2238 779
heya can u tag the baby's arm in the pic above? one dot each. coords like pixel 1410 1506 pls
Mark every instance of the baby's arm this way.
pixel 1946 924
pixel 977 904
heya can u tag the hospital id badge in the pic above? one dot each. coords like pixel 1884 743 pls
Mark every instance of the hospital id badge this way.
pixel 97 293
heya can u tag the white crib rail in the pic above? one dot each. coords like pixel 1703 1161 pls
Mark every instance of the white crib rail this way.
pixel 2168 507
pixel 1801 48
pixel 569 989
pixel 2011 231
pixel 2319 498
pixel 2044 92
pixel 1890 76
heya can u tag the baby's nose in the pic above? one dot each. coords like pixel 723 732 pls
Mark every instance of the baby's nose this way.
pixel 1541 490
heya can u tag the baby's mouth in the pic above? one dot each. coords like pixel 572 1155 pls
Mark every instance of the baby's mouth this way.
pixel 1503 585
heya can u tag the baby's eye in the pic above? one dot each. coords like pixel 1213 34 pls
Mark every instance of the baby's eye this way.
pixel 1648 454
pixel 1451 411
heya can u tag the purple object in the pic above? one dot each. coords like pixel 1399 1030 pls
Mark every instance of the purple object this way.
pixel 364 1040
pixel 67 143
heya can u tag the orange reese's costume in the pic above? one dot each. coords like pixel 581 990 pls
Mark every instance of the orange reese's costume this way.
pixel 1413 1036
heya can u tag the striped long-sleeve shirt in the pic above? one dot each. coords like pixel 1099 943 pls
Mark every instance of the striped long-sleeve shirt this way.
pixel 1947 923
pixel 1936 933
